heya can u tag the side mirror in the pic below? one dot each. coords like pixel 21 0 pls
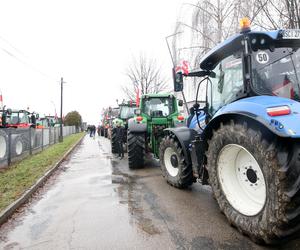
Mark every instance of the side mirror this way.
pixel 9 111
pixel 137 112
pixel 180 103
pixel 177 80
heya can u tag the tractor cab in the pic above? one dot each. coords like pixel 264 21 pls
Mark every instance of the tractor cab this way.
pixel 160 110
pixel 18 119
pixel 127 110
pixel 46 122
pixel 249 64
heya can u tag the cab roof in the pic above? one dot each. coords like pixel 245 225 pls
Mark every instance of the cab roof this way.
pixel 234 44
pixel 158 95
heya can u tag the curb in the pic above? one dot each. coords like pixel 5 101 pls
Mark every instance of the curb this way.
pixel 10 210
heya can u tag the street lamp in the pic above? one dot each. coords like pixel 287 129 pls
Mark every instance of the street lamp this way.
pixel 55 114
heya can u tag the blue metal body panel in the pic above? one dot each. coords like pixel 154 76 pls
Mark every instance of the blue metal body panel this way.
pixel 256 108
pixel 232 44
pixel 194 123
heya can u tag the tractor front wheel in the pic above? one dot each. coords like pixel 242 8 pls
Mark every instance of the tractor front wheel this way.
pixel 173 164
pixel 136 150
pixel 254 180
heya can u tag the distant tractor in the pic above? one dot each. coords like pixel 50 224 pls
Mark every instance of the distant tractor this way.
pixel 145 131
pixel 47 122
pixel 245 140
pixel 108 116
pixel 17 119
pixel 126 111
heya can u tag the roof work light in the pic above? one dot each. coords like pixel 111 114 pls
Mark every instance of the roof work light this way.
pixel 245 24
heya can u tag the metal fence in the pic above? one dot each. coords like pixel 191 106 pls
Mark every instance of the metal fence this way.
pixel 15 144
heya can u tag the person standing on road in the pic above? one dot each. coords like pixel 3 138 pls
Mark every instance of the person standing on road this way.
pixel 120 138
pixel 93 131
pixel 99 130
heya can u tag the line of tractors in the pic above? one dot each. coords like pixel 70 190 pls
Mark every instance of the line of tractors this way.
pixel 18 128
pixel 243 137
pixel 15 118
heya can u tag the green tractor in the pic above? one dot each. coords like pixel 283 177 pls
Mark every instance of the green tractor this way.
pixel 126 111
pixel 145 130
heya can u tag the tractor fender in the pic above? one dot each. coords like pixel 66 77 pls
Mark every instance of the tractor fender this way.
pixel 184 136
pixel 254 109
pixel 135 126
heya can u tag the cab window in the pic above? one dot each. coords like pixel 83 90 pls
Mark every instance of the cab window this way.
pixel 227 83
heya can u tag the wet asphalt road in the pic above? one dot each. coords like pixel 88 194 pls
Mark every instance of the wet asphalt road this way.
pixel 95 202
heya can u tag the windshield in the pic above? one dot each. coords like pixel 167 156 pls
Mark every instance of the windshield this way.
pixel 277 72
pixel 158 106
pixel 17 118
pixel 127 112
pixel 227 83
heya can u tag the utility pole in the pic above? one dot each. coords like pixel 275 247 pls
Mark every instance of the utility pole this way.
pixel 61 138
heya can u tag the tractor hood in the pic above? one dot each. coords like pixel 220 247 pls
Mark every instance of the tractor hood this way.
pixel 159 121
pixel 280 115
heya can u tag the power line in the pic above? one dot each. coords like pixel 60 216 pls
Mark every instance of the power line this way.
pixel 23 61
pixel 11 45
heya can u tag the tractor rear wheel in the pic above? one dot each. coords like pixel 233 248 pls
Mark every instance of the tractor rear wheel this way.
pixel 113 141
pixel 136 149
pixel 173 165
pixel 3 144
pixel 254 181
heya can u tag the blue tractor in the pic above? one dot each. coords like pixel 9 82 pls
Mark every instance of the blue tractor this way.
pixel 244 137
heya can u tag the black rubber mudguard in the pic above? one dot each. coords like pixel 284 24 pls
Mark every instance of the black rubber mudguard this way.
pixel 185 136
pixel 136 127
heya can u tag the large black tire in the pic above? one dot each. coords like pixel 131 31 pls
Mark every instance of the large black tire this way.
pixel 279 164
pixel 136 150
pixel 113 141
pixel 171 159
pixel 3 144
pixel 19 145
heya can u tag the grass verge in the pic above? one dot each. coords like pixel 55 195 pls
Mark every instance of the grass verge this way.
pixel 19 177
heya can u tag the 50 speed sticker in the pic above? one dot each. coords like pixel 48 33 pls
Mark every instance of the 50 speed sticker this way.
pixel 262 57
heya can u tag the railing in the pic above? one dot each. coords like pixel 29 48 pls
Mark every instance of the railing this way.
pixel 16 144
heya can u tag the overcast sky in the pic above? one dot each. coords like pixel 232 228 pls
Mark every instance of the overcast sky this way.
pixel 90 43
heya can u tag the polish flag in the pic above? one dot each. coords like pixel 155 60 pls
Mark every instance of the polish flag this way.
pixel 284 89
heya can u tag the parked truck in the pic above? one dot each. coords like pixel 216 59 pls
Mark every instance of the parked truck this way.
pixel 245 140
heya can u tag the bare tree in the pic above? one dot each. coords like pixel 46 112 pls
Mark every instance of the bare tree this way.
pixel 275 14
pixel 145 77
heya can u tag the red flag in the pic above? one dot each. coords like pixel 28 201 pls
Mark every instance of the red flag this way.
pixel 137 97
pixel 184 68
pixel 1 98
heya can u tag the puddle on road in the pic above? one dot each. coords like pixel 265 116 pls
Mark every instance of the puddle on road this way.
pixel 131 194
